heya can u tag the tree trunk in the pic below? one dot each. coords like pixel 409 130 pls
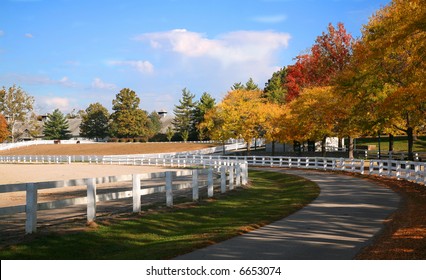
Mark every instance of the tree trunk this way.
pixel 410 143
pixel 323 143
pixel 273 148
pixel 351 147
pixel 380 146
pixel 248 147
pixel 391 142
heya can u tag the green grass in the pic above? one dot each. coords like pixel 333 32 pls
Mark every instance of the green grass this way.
pixel 166 234
pixel 400 143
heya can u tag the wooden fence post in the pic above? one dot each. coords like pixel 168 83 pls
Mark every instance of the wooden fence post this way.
pixel 91 199
pixel 231 177
pixel 31 209
pixel 195 191
pixel 238 174
pixel 210 189
pixel 136 180
pixel 169 191
pixel 223 179
pixel 245 173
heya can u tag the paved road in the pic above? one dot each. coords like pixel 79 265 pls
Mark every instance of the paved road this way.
pixel 343 219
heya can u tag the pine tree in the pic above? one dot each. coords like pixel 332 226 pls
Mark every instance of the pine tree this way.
pixel 275 90
pixel 56 127
pixel 184 121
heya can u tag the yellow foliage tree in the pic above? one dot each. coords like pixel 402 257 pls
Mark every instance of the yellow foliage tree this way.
pixel 396 40
pixel 240 115
pixel 316 114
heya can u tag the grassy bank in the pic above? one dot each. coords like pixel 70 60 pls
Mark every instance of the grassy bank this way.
pixel 169 233
pixel 400 143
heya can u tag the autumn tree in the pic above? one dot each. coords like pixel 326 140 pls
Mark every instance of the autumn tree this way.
pixel 242 114
pixel 95 122
pixel 4 132
pixel 275 129
pixel 15 105
pixel 184 121
pixel 56 127
pixel 392 68
pixel 216 126
pixel 128 120
pixel 329 55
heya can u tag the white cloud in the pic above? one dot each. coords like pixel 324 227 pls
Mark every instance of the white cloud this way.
pixel 140 65
pixel 270 19
pixel 39 80
pixel 228 48
pixel 65 81
pixel 49 103
pixel 99 84
pixel 29 35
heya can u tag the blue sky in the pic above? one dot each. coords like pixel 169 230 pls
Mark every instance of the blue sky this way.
pixel 70 53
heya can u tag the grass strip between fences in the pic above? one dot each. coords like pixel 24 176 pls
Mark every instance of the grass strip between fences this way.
pixel 164 234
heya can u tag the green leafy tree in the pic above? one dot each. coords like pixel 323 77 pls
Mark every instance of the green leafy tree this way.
pixel 128 120
pixel 56 126
pixel 154 124
pixel 170 133
pixel 95 122
pixel 15 105
pixel 184 121
pixel 206 103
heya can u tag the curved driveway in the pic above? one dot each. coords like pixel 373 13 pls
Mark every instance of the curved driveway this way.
pixel 343 219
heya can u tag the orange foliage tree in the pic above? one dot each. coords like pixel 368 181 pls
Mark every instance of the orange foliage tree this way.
pixel 4 132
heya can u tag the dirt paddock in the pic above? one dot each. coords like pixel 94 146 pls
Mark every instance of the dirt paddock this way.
pixel 12 226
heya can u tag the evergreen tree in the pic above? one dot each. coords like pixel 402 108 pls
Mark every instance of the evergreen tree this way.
pixel 56 126
pixel 184 121
pixel 95 122
pixel 128 120
pixel 275 90
pixel 249 85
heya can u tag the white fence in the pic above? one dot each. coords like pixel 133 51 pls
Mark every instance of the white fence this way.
pixel 409 170
pixel 231 174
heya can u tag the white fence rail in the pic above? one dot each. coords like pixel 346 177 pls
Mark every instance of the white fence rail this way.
pixel 408 170
pixel 231 175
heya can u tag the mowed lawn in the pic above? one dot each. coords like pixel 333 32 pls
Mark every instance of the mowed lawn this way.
pixel 167 233
pixel 106 149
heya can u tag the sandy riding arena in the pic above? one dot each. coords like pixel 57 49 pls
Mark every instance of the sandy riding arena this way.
pixel 106 149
